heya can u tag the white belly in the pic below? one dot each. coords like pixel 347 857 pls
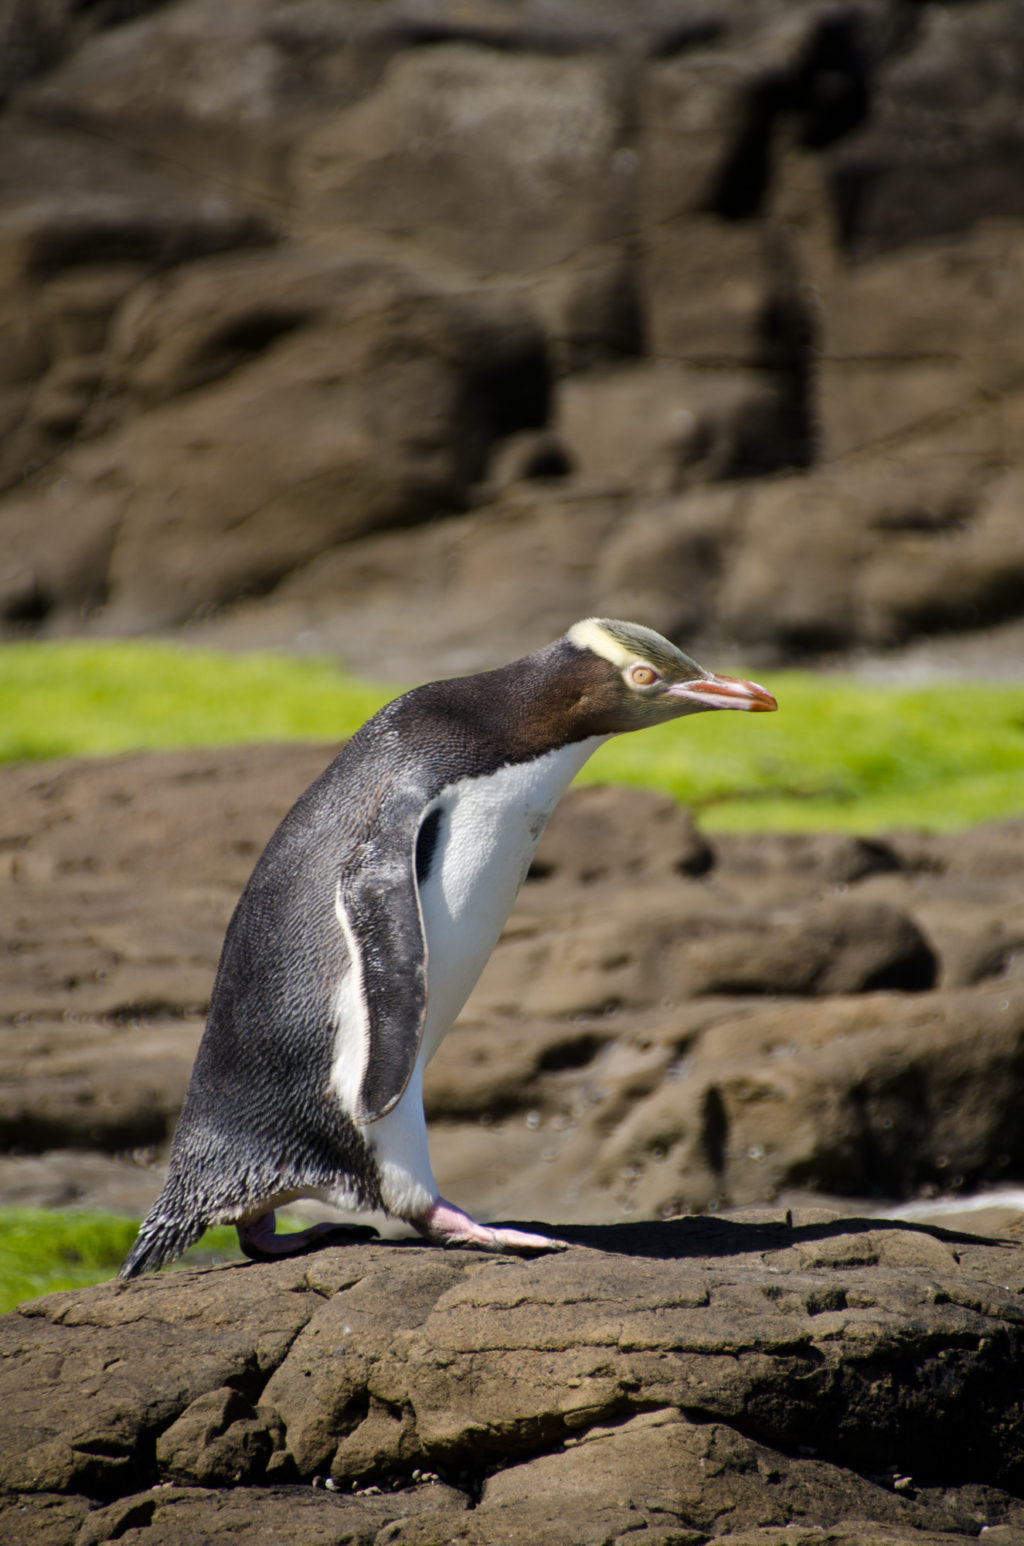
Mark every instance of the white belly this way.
pixel 490 828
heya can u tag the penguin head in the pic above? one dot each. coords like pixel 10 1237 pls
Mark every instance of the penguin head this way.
pixel 643 680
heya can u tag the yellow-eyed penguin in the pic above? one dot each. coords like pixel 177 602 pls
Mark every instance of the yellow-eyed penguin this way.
pixel 364 927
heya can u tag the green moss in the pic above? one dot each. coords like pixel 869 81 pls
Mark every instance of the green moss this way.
pixel 95 699
pixel 42 1251
pixel 840 752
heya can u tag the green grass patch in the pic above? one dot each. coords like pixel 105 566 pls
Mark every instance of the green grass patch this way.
pixel 42 1251
pixel 841 753
pixel 95 699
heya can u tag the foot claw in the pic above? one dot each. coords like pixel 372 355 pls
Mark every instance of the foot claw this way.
pixel 445 1224
pixel 260 1242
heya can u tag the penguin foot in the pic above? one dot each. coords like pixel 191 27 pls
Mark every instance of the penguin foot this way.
pixel 260 1241
pixel 444 1224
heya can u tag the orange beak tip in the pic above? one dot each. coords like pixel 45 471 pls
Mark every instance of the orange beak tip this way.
pixel 729 692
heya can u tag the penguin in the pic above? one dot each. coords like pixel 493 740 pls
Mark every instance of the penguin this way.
pixel 364 927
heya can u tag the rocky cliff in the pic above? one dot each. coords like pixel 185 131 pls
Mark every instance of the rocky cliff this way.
pixel 412 329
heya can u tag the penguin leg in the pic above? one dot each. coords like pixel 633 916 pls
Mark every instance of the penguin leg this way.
pixel 445 1224
pixel 260 1241
pixel 398 1141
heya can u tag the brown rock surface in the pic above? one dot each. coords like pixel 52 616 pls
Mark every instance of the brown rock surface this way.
pixel 670 1021
pixel 104 997
pixel 283 283
pixel 684 1381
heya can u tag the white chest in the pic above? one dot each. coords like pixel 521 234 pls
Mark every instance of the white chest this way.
pixel 489 831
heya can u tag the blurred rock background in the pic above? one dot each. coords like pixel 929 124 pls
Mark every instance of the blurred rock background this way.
pixel 410 331
pixel 670 1023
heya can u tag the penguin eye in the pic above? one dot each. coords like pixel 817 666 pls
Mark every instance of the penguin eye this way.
pixel 642 676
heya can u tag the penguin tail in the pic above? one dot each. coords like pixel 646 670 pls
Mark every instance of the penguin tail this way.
pixel 161 1239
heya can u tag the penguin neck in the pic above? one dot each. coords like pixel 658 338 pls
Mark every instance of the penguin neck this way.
pixel 541 705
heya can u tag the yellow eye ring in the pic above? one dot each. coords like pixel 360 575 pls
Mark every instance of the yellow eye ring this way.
pixel 642 676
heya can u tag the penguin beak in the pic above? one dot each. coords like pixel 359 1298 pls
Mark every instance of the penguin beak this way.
pixel 725 692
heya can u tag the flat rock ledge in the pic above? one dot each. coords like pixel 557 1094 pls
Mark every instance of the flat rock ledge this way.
pixel 769 1379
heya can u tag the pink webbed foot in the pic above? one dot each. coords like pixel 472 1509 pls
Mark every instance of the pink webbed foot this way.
pixel 260 1241
pixel 445 1224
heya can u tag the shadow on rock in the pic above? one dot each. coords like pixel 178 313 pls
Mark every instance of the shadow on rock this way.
pixel 709 1237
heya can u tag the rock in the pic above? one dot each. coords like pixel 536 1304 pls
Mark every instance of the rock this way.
pixel 971 576
pixel 119 1182
pixel 825 858
pixel 840 947
pixel 700 1376
pixel 653 427
pixel 95 1450
pixel 294 486
pixel 899 544
pixel 989 853
pixel 509 569
pixel 167 1515
pixel 881 1096
pixel 84 223
pixel 729 1483
pixel 528 456
pixel 954 69
pixel 216 95
pixel 595 315
pixel 669 1021
pixel 299 273
pixel 87 972
pixel 218 1438
pixel 499 161
pixel 588 839
pixel 666 563
pixel 881 328
pixel 757 562
pixel 690 946
pixel 46 1520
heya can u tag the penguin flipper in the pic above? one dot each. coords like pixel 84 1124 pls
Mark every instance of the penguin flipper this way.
pixel 379 908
